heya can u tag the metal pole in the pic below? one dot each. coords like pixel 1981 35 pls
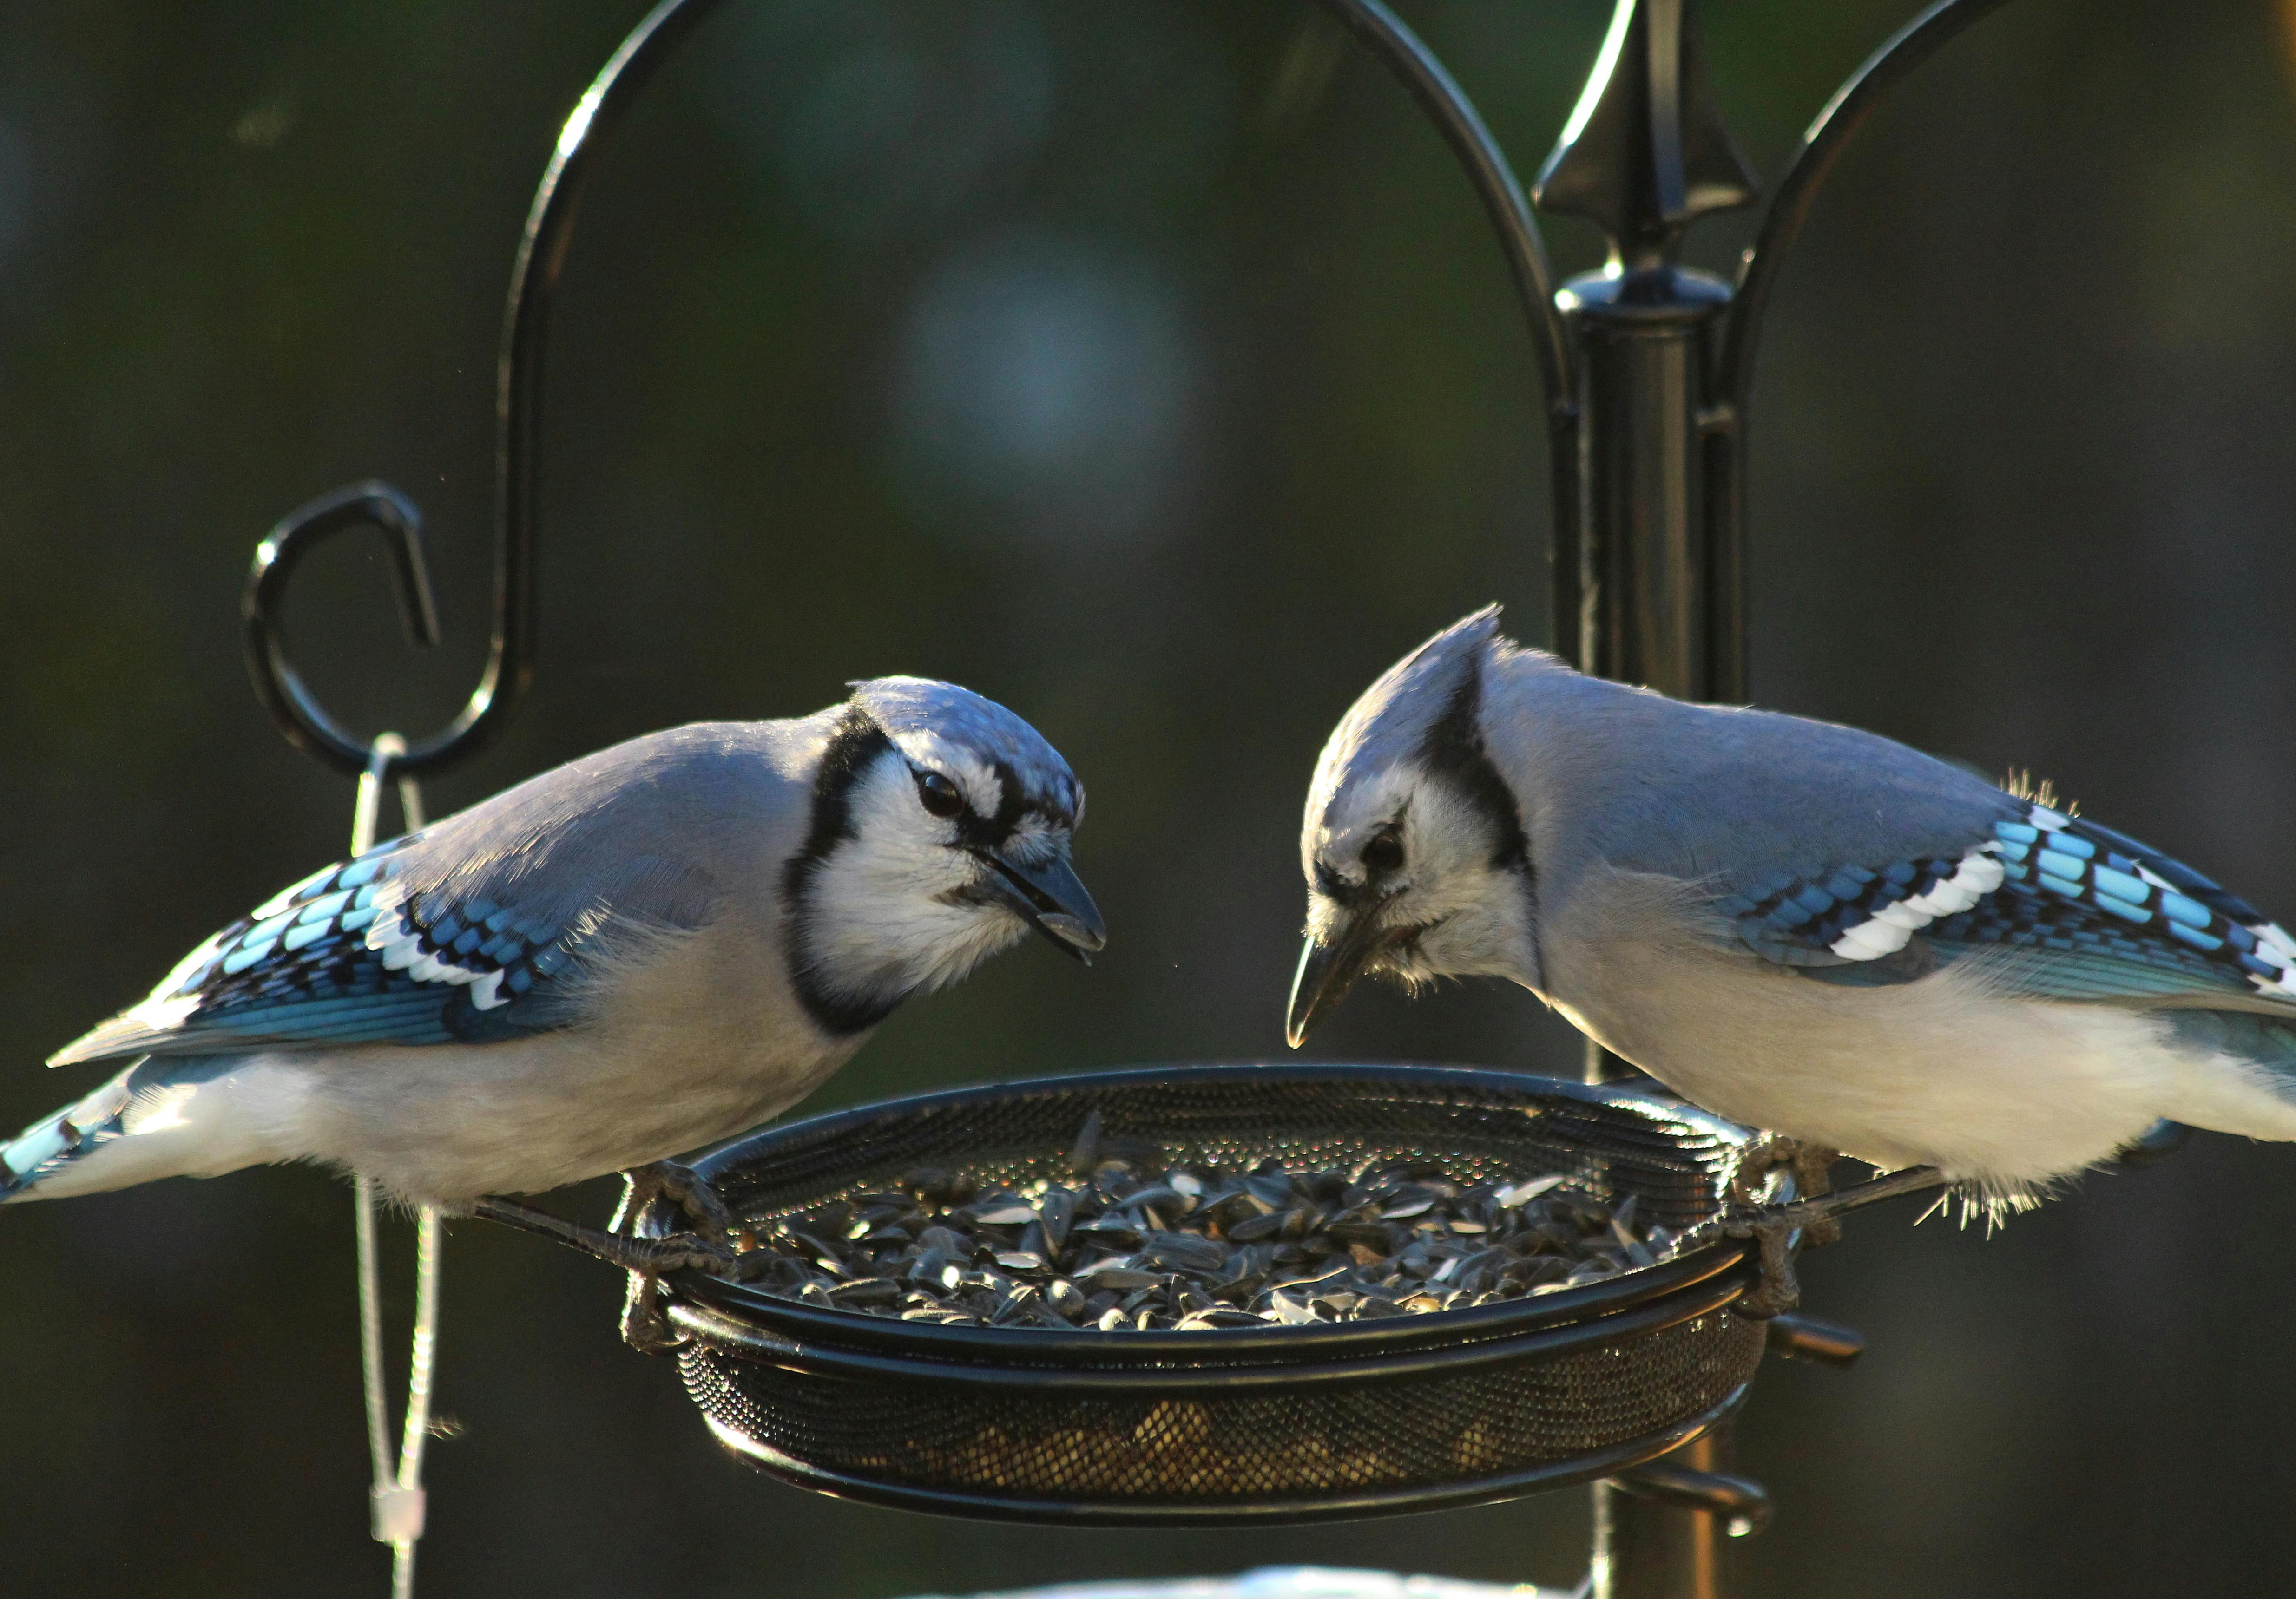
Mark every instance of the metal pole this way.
pixel 1649 1547
pixel 1649 598
pixel 1648 584
pixel 1645 570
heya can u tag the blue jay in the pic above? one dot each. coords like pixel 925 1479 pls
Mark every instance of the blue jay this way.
pixel 1803 927
pixel 648 949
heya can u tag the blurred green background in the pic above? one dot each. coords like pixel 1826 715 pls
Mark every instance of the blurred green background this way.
pixel 1146 365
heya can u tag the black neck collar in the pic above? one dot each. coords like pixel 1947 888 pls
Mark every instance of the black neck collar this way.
pixel 857 745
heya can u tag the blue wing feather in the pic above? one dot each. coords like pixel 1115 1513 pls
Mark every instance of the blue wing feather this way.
pixel 2265 1041
pixel 1796 921
pixel 2082 911
pixel 481 926
pixel 346 956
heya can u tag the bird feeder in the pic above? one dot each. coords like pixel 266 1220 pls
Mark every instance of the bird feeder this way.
pixel 1647 368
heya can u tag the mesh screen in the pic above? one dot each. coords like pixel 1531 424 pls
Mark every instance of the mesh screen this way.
pixel 1200 1445
pixel 1292 1444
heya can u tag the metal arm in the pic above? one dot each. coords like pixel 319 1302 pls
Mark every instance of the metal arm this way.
pixel 1732 381
pixel 509 671
pixel 1456 118
pixel 1821 146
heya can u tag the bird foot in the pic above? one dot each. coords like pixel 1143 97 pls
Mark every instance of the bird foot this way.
pixel 718 1244
pixel 666 1179
pixel 1812 1168
pixel 1779 1290
pixel 1815 1216
pixel 644 1327
pixel 1750 1210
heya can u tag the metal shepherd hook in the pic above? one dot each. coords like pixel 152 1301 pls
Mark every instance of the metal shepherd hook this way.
pixel 1633 151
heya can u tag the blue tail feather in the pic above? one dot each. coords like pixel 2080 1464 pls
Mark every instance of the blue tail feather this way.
pixel 80 1130
pixel 2260 1040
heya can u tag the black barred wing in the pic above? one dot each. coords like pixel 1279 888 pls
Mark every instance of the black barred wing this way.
pixel 2089 913
pixel 1850 914
pixel 2106 917
pixel 348 956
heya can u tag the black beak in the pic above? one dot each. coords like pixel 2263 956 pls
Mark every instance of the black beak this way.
pixel 1328 970
pixel 1051 899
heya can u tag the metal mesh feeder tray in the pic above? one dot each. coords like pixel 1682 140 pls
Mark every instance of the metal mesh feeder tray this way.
pixel 1266 1424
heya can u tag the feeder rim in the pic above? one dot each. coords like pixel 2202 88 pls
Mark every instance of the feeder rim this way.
pixel 1720 1288
pixel 1597 1304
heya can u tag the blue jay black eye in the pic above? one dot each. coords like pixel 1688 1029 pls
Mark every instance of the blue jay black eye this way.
pixel 938 795
pixel 1383 854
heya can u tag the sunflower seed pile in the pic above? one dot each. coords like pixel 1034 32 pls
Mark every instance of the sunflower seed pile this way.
pixel 1131 1244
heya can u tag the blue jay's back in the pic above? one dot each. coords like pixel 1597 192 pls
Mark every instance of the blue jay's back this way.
pixel 1802 926
pixel 650 948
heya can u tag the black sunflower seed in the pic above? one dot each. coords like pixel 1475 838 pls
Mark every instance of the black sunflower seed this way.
pixel 1136 1241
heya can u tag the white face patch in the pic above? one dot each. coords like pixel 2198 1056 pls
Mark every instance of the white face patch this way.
pixel 1034 840
pixel 1456 910
pixel 898 907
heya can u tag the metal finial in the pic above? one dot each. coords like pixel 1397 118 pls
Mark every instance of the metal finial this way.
pixel 1646 154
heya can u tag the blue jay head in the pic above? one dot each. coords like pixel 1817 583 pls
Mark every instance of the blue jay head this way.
pixel 1413 844
pixel 940 835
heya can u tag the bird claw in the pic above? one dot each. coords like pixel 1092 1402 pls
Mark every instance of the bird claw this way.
pixel 1816 1217
pixel 1747 1212
pixel 644 1327
pixel 1812 1168
pixel 666 1179
pixel 1779 1289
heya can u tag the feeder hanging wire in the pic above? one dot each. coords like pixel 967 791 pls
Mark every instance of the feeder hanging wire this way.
pixel 397 1496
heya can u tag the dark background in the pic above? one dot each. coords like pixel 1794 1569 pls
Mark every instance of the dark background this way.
pixel 1149 367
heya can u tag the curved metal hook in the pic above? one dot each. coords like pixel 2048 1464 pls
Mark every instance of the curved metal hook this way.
pixel 1439 95
pixel 534 280
pixel 1812 162
pixel 1454 116
pixel 277 684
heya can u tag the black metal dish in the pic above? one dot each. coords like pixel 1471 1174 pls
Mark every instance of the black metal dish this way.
pixel 1273 1423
